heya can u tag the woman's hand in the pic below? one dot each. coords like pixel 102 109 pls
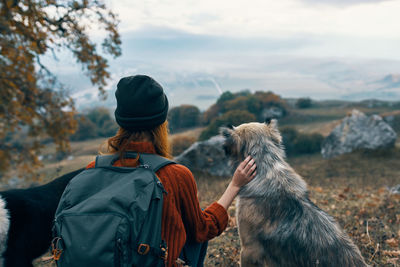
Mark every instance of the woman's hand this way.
pixel 244 173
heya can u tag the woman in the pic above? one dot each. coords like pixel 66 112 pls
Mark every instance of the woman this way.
pixel 141 113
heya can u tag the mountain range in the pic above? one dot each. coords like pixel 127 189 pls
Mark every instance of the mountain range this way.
pixel 196 69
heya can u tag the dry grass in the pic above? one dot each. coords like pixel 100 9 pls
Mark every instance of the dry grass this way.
pixel 194 133
pixel 323 128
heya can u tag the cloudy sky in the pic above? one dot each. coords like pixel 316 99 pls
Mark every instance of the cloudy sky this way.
pixel 319 48
pixel 360 28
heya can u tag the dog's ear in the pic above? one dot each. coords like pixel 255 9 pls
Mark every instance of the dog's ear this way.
pixel 226 131
pixel 275 134
pixel 273 123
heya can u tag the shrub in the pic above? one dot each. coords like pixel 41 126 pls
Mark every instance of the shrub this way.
pixel 210 114
pixel 225 96
pixel 234 117
pixel 181 143
pixel 184 116
pixel 256 104
pixel 86 129
pixel 304 103
pixel 95 123
pixel 297 143
pixel 105 125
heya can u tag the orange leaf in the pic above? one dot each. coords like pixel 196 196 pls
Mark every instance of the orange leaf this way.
pixel 318 189
pixel 382 190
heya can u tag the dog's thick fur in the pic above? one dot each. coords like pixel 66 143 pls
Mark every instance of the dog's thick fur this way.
pixel 26 219
pixel 278 224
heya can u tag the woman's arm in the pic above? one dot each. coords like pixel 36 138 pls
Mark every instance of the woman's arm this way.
pixel 204 225
pixel 244 173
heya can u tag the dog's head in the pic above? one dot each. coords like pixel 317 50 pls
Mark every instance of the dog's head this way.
pixel 251 138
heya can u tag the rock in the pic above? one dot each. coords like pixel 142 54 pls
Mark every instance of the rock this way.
pixel 395 189
pixel 272 112
pixel 206 156
pixel 358 131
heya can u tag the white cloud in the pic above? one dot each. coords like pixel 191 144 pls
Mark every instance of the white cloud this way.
pixel 343 3
pixel 318 48
pixel 246 18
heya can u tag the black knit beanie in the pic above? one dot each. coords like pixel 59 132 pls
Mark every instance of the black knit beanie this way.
pixel 141 103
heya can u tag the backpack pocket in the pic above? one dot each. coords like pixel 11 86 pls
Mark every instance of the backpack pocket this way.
pixel 100 240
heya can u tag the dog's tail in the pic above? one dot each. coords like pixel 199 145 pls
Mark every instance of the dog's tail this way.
pixel 4 227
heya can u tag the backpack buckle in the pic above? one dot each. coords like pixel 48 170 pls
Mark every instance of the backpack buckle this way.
pixel 143 249
pixel 145 166
pixel 56 248
pixel 163 250
pixel 164 253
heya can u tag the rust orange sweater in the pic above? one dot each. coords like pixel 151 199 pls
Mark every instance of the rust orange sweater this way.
pixel 182 215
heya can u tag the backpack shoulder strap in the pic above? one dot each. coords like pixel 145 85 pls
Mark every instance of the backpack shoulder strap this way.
pixel 104 160
pixel 154 161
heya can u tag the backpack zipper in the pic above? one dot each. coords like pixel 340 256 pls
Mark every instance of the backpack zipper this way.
pixel 120 252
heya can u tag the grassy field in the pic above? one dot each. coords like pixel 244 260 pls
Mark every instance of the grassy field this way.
pixel 353 188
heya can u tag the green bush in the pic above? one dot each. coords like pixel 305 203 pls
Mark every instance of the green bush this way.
pixel 234 117
pixel 95 123
pixel 255 103
pixel 210 114
pixel 184 116
pixel 105 125
pixel 225 96
pixel 304 103
pixel 297 143
pixel 86 129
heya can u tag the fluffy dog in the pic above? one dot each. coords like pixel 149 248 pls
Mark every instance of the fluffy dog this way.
pixel 278 224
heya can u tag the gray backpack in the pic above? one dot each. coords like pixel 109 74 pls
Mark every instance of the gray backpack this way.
pixel 111 216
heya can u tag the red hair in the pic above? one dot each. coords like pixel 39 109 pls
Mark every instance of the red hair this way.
pixel 158 136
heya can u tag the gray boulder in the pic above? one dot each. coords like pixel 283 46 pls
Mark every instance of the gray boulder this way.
pixel 272 112
pixel 395 189
pixel 358 131
pixel 206 156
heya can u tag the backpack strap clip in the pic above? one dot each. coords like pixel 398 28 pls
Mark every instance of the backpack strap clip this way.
pixel 56 248
pixel 164 250
pixel 143 249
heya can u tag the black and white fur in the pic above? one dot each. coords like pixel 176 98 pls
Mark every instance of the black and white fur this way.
pixel 26 219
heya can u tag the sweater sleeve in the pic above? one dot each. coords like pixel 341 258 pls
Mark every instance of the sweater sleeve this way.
pixel 203 225
pixel 91 165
